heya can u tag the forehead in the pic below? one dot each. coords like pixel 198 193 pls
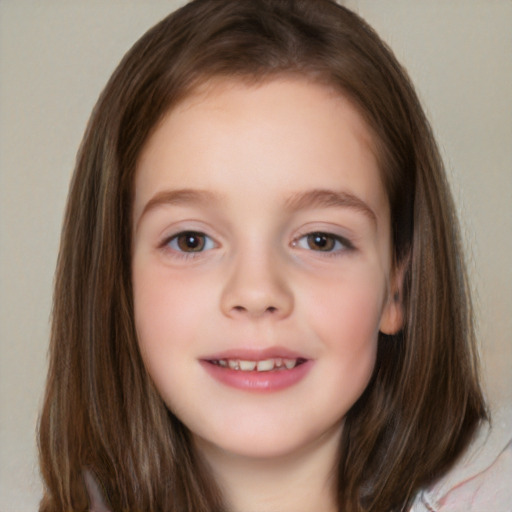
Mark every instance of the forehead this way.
pixel 282 135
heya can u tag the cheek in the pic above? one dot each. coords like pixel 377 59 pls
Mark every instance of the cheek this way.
pixel 165 302
pixel 347 303
pixel 344 314
pixel 167 307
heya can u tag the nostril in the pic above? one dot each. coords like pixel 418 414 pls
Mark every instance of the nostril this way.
pixel 243 309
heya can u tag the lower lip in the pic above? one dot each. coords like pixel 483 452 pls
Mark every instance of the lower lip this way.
pixel 258 381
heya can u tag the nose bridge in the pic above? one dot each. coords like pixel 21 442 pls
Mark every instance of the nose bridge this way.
pixel 257 284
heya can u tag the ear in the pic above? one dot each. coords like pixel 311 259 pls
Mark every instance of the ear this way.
pixel 392 318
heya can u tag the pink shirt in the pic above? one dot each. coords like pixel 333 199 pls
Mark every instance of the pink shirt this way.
pixel 482 479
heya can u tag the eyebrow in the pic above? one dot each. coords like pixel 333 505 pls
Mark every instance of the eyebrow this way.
pixel 323 198
pixel 180 196
pixel 317 198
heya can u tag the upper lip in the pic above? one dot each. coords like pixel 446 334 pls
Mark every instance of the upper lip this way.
pixel 250 354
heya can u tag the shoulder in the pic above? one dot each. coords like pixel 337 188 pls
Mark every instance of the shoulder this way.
pixel 480 481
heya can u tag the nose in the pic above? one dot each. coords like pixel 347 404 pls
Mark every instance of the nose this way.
pixel 256 287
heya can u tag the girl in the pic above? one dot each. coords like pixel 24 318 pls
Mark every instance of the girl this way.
pixel 261 302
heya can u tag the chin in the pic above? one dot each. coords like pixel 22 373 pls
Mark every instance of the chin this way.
pixel 267 444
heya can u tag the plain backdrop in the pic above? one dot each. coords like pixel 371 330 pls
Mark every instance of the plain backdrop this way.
pixel 55 57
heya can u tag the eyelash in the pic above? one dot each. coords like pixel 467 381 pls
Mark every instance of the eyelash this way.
pixel 339 244
pixel 172 244
pixel 335 244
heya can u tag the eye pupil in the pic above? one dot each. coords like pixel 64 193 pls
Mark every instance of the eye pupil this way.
pixel 320 242
pixel 191 242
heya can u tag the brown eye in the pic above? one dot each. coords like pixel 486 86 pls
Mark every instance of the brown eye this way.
pixel 189 241
pixel 320 242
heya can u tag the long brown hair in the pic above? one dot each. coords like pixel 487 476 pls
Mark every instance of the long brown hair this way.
pixel 101 412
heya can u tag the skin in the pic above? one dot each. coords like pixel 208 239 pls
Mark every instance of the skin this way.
pixel 252 155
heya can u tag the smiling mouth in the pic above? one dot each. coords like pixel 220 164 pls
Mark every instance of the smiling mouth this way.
pixel 275 364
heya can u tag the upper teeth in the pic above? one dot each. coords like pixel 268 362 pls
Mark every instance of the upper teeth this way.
pixel 265 365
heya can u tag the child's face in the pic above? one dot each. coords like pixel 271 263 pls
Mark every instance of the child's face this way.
pixel 261 239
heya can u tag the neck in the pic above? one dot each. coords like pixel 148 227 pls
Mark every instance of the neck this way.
pixel 300 482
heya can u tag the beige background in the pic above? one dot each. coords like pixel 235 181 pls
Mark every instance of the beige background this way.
pixel 55 57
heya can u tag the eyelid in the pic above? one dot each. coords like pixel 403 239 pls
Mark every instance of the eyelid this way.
pixel 342 243
pixel 168 244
